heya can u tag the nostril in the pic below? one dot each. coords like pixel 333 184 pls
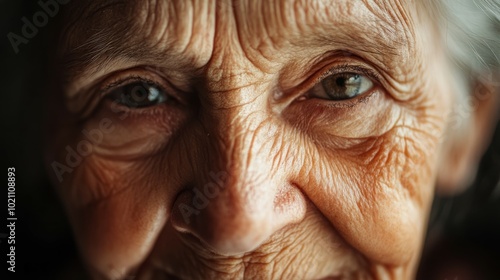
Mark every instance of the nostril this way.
pixel 183 210
pixel 235 222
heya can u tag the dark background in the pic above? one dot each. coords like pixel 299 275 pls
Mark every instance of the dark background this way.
pixel 464 234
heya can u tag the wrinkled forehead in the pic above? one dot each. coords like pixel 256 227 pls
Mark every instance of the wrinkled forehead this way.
pixel 188 33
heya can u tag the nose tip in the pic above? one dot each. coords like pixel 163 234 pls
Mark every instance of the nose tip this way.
pixel 236 220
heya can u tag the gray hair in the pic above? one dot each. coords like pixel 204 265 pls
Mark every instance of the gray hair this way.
pixel 471 30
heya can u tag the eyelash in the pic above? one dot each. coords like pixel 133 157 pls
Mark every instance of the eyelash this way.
pixel 111 86
pixel 349 68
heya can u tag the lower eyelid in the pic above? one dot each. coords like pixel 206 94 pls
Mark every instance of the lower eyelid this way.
pixel 349 103
pixel 117 108
pixel 367 116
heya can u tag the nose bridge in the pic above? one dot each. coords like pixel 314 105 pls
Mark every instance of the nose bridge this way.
pixel 236 113
pixel 245 198
pixel 242 149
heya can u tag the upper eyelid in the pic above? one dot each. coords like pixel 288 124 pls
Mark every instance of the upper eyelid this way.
pixel 111 87
pixel 120 83
pixel 346 68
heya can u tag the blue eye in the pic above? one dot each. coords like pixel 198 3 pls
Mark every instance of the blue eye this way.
pixel 139 94
pixel 342 86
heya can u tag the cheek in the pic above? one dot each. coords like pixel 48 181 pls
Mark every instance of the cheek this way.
pixel 372 115
pixel 376 190
pixel 111 185
pixel 115 212
pixel 118 196
pixel 118 233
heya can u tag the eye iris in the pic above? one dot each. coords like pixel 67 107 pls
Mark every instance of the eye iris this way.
pixel 138 94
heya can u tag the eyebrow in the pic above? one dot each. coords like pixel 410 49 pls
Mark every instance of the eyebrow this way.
pixel 87 49
pixel 93 36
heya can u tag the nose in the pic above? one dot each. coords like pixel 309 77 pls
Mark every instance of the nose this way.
pixel 246 197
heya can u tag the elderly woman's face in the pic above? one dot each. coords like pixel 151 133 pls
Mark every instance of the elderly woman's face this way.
pixel 260 139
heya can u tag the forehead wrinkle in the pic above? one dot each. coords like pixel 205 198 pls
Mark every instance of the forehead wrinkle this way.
pixel 396 19
pixel 308 24
pixel 121 33
pixel 372 24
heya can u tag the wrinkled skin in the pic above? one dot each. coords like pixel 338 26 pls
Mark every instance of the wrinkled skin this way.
pixel 306 187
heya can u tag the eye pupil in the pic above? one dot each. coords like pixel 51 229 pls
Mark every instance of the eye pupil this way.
pixel 139 93
pixel 340 81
